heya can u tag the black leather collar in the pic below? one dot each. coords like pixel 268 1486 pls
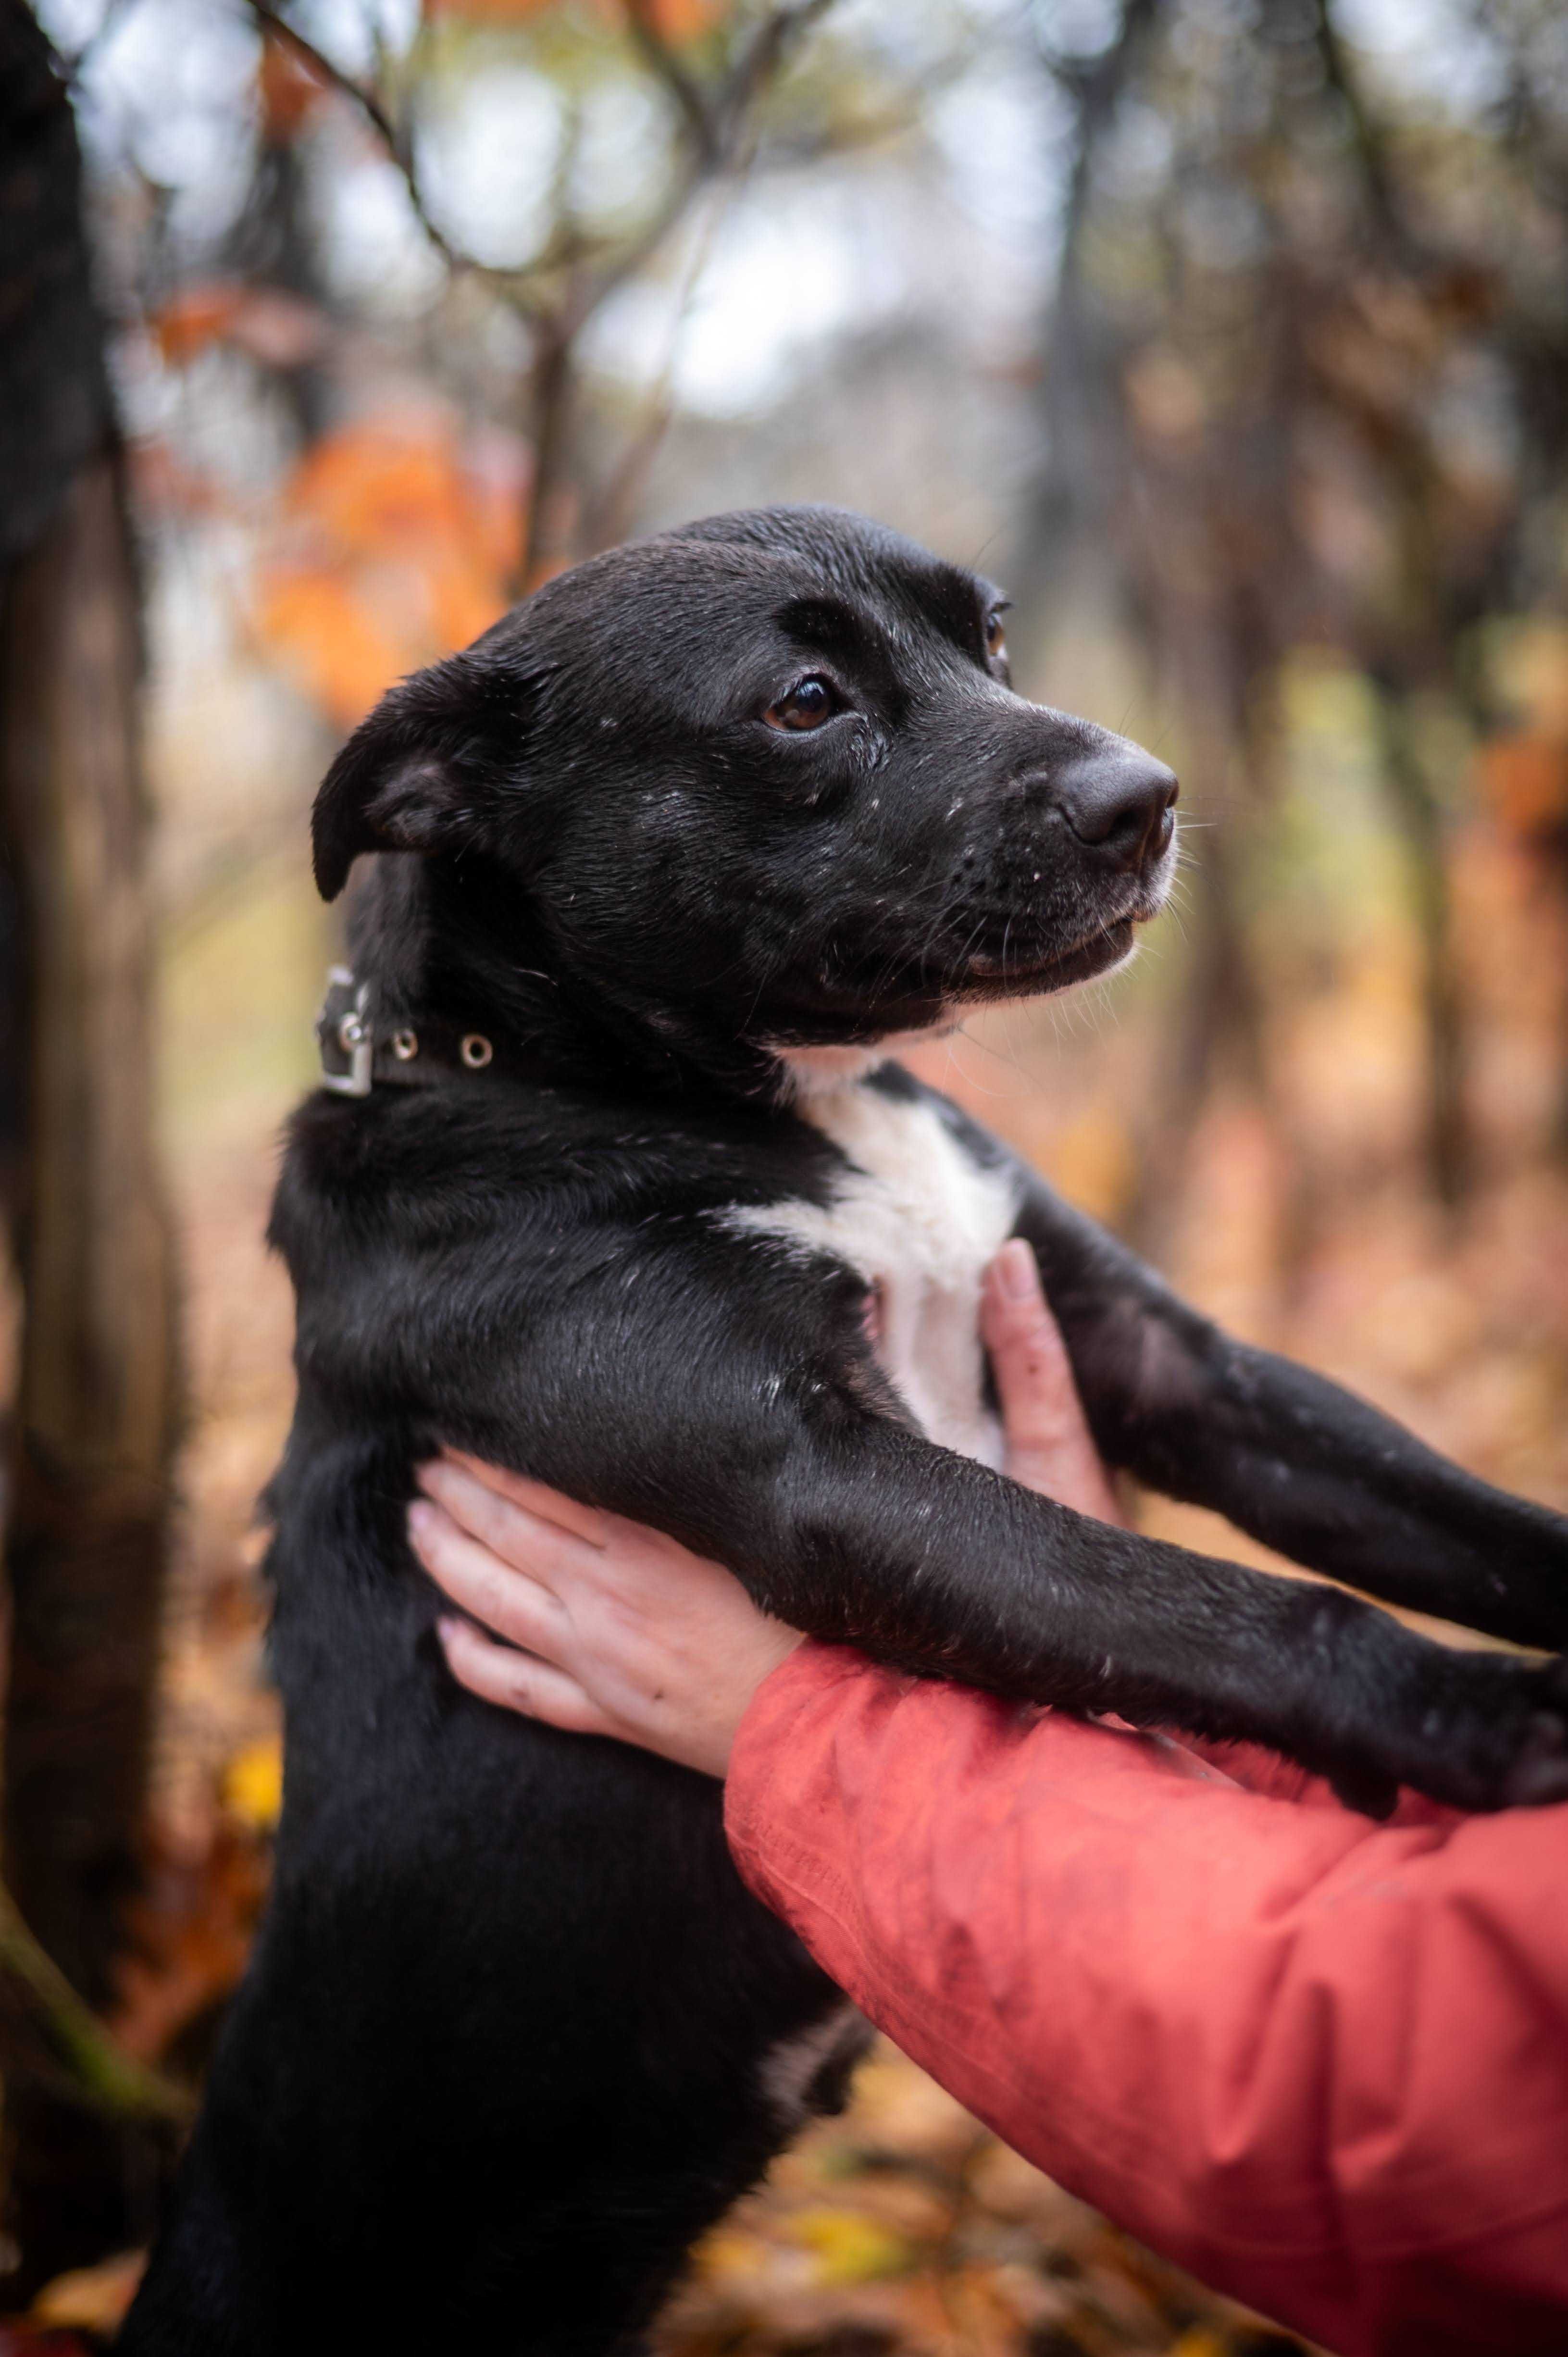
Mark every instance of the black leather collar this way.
pixel 360 1051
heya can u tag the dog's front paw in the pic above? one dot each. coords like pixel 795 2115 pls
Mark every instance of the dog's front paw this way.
pixel 1539 1771
pixel 1511 1735
pixel 1525 1591
pixel 1370 1792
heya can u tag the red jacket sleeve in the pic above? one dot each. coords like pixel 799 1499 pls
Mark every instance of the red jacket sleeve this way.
pixel 1322 2064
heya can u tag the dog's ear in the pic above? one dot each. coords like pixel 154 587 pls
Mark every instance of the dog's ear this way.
pixel 424 771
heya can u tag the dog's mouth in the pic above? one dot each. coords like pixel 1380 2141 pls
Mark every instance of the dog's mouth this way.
pixel 935 1006
pixel 1026 977
pixel 929 998
pixel 1031 970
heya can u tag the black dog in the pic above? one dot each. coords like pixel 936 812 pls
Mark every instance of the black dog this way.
pixel 617 1172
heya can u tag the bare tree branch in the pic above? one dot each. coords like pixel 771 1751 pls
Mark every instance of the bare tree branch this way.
pixel 719 149
pixel 1367 143
pixel 781 30
pixel 727 119
pixel 369 105
pixel 560 289
pixel 73 2048
pixel 641 17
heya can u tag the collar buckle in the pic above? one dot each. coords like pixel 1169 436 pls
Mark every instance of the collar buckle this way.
pixel 345 1036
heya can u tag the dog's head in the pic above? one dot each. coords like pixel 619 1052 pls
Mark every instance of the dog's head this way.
pixel 762 784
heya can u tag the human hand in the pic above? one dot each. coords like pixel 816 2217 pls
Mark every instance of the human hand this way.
pixel 624 1632
pixel 1050 1445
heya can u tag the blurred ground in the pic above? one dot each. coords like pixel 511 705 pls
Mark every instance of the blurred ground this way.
pixel 904 2226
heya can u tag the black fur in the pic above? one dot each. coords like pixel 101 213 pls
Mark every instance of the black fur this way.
pixel 498 2058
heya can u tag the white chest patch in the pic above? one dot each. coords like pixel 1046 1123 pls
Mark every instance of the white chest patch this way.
pixel 919 1219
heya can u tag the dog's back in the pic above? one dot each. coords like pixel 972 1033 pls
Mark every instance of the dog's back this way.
pixel 514 2034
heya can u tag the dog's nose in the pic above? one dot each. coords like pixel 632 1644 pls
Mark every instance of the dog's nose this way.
pixel 1119 801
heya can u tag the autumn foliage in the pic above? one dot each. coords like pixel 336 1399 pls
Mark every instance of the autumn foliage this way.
pixel 395 546
pixel 677 20
pixel 287 90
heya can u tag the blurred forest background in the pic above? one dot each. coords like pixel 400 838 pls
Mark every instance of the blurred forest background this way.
pixel 1232 334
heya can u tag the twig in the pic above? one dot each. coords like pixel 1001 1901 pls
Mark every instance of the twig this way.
pixel 716 123
pixel 1367 143
pixel 712 151
pixel 761 57
pixel 606 519
pixel 1083 397
pixel 640 16
pixel 101 2074
pixel 369 105
pixel 779 32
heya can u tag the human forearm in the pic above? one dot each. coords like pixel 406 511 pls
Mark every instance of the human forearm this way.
pixel 1244 2028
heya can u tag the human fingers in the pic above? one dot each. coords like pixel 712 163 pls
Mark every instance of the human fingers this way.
pixel 520 1681
pixel 665 1648
pixel 511 1525
pixel 502 1596
pixel 1050 1447
pixel 551 1506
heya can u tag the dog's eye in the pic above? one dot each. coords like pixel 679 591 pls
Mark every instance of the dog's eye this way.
pixel 809 703
pixel 997 634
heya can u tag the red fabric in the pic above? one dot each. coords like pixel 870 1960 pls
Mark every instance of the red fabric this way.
pixel 1321 2063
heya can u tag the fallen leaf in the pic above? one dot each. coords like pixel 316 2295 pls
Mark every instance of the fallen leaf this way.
pixel 848 2246
pixel 252 1784
pixel 93 2298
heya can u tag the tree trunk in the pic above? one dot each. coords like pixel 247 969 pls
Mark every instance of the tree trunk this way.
pixel 96 1406
pixel 1447 1145
pixel 95 1416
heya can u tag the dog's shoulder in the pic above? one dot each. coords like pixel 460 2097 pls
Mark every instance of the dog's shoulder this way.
pixel 417 1168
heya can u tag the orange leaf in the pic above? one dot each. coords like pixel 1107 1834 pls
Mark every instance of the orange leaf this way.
pixel 375 489
pixel 287 89
pixel 682 20
pixel 463 599
pixel 1525 779
pixel 272 325
pixel 197 316
pixel 394 550
pixel 252 1785
pixel 94 2298
pixel 343 655
pixel 677 20
pixel 191 1928
pixel 491 11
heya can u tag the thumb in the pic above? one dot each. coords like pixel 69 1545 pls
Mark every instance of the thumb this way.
pixel 1050 1447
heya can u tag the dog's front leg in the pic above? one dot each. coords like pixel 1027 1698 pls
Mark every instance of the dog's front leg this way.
pixel 934 1563
pixel 739 1408
pixel 1303 1465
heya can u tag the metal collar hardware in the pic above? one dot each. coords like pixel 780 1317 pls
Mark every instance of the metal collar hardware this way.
pixel 356 1055
pixel 343 1034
